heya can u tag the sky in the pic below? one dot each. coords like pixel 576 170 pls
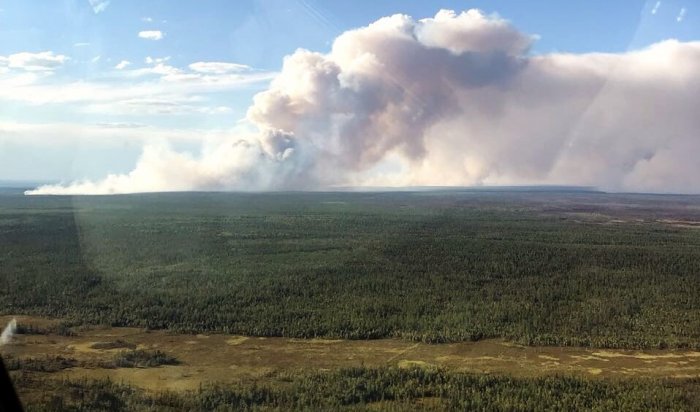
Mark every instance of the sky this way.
pixel 97 88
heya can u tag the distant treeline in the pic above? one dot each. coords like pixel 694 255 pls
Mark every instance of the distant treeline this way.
pixel 539 269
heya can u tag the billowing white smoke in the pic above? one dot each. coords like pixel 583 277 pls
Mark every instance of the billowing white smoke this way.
pixel 452 100
pixel 8 332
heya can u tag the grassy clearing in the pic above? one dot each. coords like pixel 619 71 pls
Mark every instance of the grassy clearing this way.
pixel 143 359
pixel 46 363
pixel 164 360
pixel 279 373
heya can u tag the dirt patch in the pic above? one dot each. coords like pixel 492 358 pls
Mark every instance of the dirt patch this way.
pixel 235 341
pixel 647 355
pixel 316 341
pixel 415 363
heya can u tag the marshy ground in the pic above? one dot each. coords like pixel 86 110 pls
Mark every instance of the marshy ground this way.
pixel 229 359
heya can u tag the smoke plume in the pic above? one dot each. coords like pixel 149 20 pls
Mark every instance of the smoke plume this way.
pixel 457 99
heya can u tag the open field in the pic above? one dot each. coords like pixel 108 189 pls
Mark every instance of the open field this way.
pixel 227 361
pixel 206 359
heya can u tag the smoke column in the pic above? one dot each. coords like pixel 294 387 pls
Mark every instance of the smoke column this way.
pixel 456 99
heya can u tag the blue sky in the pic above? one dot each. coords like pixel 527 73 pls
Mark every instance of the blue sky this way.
pixel 218 54
pixel 260 32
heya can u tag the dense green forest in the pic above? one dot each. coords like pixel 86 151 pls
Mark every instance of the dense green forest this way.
pixel 382 389
pixel 552 268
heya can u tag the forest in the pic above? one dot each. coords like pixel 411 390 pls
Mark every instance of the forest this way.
pixel 548 267
pixel 382 389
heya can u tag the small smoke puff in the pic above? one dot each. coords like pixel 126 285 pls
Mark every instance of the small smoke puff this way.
pixel 8 332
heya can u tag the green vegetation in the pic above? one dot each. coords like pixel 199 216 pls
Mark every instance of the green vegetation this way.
pixel 29 329
pixel 541 268
pixel 39 364
pixel 124 359
pixel 386 389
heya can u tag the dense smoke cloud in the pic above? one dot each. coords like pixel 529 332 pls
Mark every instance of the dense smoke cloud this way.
pixel 452 100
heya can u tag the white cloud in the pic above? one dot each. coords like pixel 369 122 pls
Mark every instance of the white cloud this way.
pixel 122 65
pixel 165 105
pixel 147 19
pixel 30 87
pixel 57 134
pixel 81 44
pixel 156 60
pixel 151 34
pixel 14 80
pixel 218 67
pixel 159 89
pixel 656 7
pixel 681 15
pixel 120 125
pixel 95 59
pixel 159 66
pixel 42 61
pixel 209 74
pixel 98 6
